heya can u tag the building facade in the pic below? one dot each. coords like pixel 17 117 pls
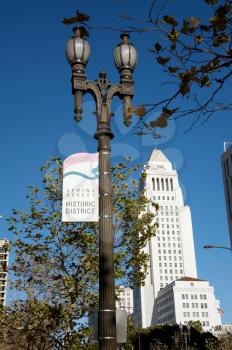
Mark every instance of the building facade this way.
pixel 171 251
pixel 226 161
pixel 188 299
pixel 4 256
pixel 124 299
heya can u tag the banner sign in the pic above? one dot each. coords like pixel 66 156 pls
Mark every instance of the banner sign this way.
pixel 80 188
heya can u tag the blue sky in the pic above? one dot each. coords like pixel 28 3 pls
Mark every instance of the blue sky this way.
pixel 37 116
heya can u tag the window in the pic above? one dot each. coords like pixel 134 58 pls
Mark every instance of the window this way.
pixel 162 184
pixel 153 184
pixel 171 185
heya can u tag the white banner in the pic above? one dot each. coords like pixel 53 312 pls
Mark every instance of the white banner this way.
pixel 80 188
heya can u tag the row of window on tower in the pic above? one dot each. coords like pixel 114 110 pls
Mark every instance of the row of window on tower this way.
pixel 161 184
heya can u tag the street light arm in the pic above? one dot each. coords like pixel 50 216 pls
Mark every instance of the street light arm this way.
pixel 93 89
pixel 216 246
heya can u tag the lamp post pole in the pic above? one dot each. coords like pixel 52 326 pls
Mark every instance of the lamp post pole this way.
pixel 77 52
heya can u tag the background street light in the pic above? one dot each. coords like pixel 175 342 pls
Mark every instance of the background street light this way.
pixel 217 246
pixel 125 57
pixel 184 335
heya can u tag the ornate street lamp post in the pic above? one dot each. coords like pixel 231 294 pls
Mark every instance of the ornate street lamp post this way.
pixel 184 335
pixel 125 57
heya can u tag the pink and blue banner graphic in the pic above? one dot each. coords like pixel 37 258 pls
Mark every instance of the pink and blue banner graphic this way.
pixel 80 188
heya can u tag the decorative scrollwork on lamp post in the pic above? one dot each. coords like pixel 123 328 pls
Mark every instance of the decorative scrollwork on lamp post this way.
pixel 125 57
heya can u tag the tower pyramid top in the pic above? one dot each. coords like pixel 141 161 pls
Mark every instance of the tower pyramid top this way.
pixel 158 156
pixel 158 160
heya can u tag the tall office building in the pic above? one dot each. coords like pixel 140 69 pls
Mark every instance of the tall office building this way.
pixel 4 255
pixel 171 251
pixel 226 160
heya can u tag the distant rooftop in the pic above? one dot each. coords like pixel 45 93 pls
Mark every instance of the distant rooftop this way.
pixel 190 279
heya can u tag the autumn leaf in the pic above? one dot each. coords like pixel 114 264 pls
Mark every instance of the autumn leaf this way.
pixel 170 20
pixel 199 39
pixel 158 47
pixel 80 17
pixel 140 111
pixel 211 2
pixel 162 120
pixel 173 69
pixel 162 60
pixel 184 89
pixel 194 21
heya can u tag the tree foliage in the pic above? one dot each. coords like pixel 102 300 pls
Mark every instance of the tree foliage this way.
pixel 56 264
pixel 196 324
pixel 169 337
pixel 195 53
